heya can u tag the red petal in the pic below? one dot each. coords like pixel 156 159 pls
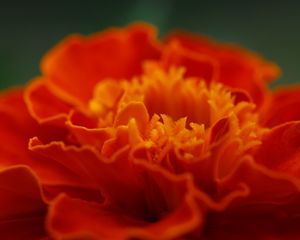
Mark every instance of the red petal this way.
pixel 219 130
pixel 228 54
pixel 16 128
pixel 269 210
pixel 94 171
pixel 22 208
pixel 15 119
pixel 197 65
pixel 280 149
pixel 43 105
pixel 63 164
pixel 135 110
pixel 85 130
pixel 237 67
pixel 240 96
pixel 50 192
pixel 283 107
pixel 141 192
pixel 76 218
pixel 265 185
pixel 78 63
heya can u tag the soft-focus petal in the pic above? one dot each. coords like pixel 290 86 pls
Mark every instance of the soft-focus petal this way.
pixel 269 210
pixel 17 127
pixel 76 65
pixel 226 54
pixel 95 171
pixel 283 106
pixel 22 207
pixel 197 65
pixel 166 195
pixel 280 149
pixel 43 105
pixel 86 131
pixel 65 171
pixel 236 67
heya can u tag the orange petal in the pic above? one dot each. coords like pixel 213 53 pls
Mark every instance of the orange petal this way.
pixel 85 130
pixel 92 170
pixel 136 195
pixel 60 172
pixel 236 226
pixel 63 166
pixel 283 107
pixel 136 110
pixel 265 185
pixel 269 210
pixel 50 192
pixel 76 65
pixel 237 67
pixel 219 130
pixel 16 128
pixel 180 214
pixel 22 208
pixel 280 149
pixel 227 54
pixel 196 65
pixel 43 105
pixel 240 96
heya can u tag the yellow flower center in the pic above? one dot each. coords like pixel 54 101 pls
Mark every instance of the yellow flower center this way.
pixel 165 112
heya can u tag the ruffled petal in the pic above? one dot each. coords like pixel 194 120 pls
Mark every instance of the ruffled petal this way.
pixel 43 105
pixel 197 65
pixel 280 149
pixel 162 194
pixel 17 127
pixel 22 208
pixel 269 210
pixel 85 130
pixel 237 67
pixel 134 110
pixel 91 169
pixel 226 54
pixel 17 123
pixel 283 106
pixel 265 185
pixel 165 194
pixel 75 66
pixel 64 169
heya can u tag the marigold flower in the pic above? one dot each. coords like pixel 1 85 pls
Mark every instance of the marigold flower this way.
pixel 124 136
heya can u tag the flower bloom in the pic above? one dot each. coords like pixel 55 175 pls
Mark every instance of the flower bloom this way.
pixel 124 136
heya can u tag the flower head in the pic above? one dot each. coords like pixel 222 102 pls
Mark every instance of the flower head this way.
pixel 124 136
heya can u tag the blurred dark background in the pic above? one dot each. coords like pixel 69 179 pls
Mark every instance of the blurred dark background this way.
pixel 28 29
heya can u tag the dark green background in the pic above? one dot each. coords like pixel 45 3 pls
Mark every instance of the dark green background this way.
pixel 28 29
